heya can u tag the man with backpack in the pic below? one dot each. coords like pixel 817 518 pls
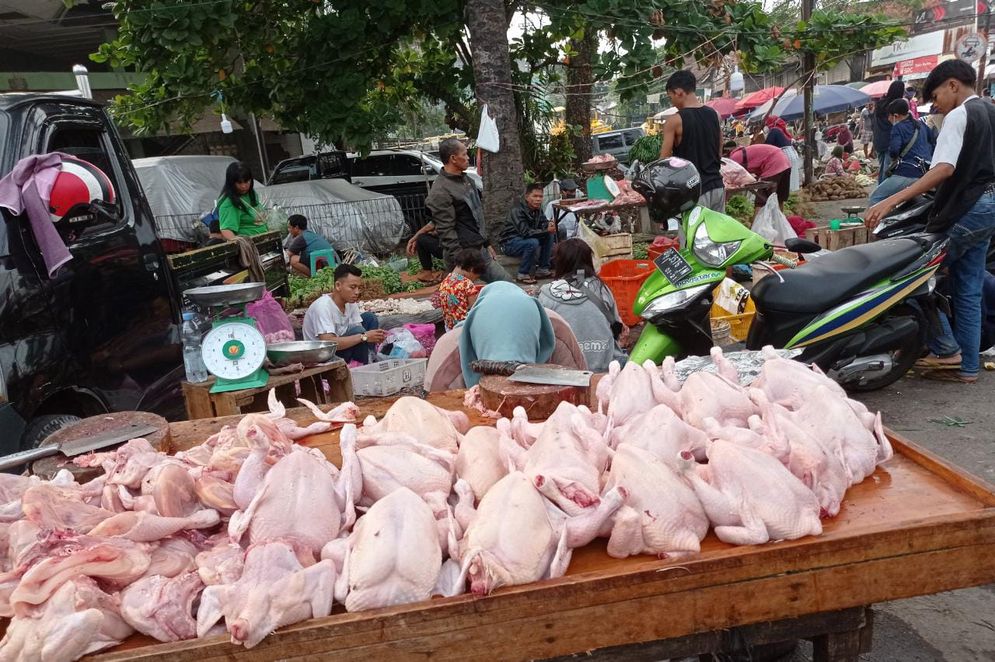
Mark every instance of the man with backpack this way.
pixel 909 152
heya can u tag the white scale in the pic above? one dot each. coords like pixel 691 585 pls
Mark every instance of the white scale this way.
pixel 234 349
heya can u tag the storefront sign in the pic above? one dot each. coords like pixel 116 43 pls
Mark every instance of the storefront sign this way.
pixel 919 66
pixel 970 47
pixel 918 46
pixel 942 14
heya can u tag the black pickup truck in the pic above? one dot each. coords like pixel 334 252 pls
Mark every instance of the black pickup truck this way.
pixel 103 333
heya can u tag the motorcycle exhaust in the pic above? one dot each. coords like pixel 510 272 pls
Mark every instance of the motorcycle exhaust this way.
pixel 864 368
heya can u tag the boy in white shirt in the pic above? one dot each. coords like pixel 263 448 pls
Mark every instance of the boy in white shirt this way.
pixel 336 316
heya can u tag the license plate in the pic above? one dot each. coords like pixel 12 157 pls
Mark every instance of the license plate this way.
pixel 673 266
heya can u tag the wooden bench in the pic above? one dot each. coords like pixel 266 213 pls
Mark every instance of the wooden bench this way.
pixel 309 384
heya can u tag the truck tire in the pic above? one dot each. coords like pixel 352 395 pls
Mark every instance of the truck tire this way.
pixel 41 427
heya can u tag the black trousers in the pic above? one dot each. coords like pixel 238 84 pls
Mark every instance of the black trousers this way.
pixel 428 246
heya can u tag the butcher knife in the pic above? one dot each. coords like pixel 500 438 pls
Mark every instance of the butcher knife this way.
pixel 551 374
pixel 78 446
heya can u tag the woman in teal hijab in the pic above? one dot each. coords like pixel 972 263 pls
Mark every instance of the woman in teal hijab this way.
pixel 505 324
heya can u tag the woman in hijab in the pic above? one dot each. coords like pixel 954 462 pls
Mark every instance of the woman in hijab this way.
pixel 505 324
pixel 777 132
pixel 881 126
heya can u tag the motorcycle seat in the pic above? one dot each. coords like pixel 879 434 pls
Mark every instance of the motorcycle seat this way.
pixel 828 280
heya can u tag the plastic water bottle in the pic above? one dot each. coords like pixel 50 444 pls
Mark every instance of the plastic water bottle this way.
pixel 193 362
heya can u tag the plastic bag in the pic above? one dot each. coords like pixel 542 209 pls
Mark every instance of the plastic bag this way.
pixel 771 224
pixel 403 345
pixel 796 165
pixel 487 136
pixel 270 318
pixel 425 334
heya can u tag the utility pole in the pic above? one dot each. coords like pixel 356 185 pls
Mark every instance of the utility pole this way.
pixel 808 65
pixel 985 56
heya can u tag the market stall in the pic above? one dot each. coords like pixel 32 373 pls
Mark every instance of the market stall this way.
pixel 916 525
pixel 919 525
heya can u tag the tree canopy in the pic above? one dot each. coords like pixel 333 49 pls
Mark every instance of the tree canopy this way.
pixel 347 71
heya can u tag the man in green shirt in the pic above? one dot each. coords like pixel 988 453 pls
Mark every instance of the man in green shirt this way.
pixel 304 242
pixel 239 207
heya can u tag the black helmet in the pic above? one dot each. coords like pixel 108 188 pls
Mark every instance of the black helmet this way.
pixel 670 186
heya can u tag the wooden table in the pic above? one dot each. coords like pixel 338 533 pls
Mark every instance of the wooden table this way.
pixel 308 384
pixel 917 526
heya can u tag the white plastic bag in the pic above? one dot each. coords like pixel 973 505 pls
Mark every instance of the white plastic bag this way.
pixel 771 224
pixel 796 167
pixel 405 345
pixel 487 136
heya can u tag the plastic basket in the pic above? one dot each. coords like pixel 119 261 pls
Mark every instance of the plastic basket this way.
pixel 624 278
pixel 739 325
pixel 388 377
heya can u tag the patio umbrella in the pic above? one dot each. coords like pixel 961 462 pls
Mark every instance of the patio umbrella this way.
pixel 826 99
pixel 754 99
pixel 762 109
pixel 857 85
pixel 724 106
pixel 878 89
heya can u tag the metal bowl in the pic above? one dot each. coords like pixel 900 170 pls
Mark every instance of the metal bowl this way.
pixel 223 295
pixel 308 352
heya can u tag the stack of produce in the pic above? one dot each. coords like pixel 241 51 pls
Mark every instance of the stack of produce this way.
pixel 253 531
pixel 835 188
pixel 378 282
pixel 397 306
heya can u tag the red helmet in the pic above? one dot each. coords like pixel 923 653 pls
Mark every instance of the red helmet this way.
pixel 77 185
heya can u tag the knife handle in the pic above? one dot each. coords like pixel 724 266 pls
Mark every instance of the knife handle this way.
pixel 505 368
pixel 30 455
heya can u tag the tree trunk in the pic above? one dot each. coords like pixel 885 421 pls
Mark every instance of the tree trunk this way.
pixel 503 175
pixel 580 84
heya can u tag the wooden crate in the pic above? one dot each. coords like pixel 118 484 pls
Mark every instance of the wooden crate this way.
pixel 851 235
pixel 917 526
pixel 309 384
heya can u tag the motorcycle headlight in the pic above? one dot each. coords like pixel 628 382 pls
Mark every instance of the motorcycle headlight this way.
pixel 673 300
pixel 711 253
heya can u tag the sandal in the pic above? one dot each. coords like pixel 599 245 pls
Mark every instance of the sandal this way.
pixel 934 362
pixel 526 279
pixel 943 375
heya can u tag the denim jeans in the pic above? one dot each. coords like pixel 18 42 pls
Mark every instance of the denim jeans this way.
pixel 889 187
pixel 530 249
pixel 361 351
pixel 966 254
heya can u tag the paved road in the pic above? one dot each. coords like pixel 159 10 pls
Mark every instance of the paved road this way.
pixel 958 626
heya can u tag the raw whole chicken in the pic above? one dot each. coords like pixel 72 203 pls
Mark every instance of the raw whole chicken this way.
pixel 79 618
pixel 479 460
pixel 426 422
pixel 790 383
pixel 516 536
pixel 274 590
pixel 162 607
pixel 750 497
pixel 631 393
pixel 708 395
pixel 566 462
pixel 663 434
pixel 662 515
pixel 393 555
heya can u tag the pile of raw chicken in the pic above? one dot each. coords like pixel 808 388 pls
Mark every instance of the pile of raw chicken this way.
pixel 251 531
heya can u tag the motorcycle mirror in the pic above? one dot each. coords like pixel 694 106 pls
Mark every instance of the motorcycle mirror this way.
pixel 796 245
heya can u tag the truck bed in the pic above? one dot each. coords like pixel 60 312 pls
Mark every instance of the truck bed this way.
pixel 918 525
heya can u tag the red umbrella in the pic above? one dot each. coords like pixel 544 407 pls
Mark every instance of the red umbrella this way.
pixel 878 89
pixel 724 106
pixel 758 98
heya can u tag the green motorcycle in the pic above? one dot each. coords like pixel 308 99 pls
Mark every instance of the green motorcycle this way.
pixel 857 312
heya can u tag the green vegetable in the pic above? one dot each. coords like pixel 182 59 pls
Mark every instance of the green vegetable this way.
pixel 740 208
pixel 646 149
pixel 640 250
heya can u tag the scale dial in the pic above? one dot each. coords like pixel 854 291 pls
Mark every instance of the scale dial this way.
pixel 233 350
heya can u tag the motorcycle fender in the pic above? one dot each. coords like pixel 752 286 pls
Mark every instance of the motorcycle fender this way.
pixel 656 286
pixel 654 345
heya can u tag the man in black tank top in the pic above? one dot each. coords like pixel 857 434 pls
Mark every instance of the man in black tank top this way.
pixel 695 134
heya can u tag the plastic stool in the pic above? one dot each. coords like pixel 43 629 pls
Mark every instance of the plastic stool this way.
pixel 328 255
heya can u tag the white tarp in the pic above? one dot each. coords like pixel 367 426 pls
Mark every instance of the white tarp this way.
pixel 344 214
pixel 181 189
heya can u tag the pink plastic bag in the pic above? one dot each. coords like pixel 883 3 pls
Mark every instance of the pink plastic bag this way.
pixel 272 322
pixel 424 333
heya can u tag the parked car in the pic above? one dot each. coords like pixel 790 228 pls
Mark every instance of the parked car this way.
pixel 332 164
pixel 616 143
pixel 103 334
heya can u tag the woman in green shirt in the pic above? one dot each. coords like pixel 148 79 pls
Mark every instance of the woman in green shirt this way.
pixel 239 207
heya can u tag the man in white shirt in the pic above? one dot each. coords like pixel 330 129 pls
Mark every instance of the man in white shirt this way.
pixel 336 316
pixel 963 209
pixel 566 225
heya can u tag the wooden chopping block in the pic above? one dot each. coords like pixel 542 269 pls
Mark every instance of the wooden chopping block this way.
pixel 94 425
pixel 502 395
